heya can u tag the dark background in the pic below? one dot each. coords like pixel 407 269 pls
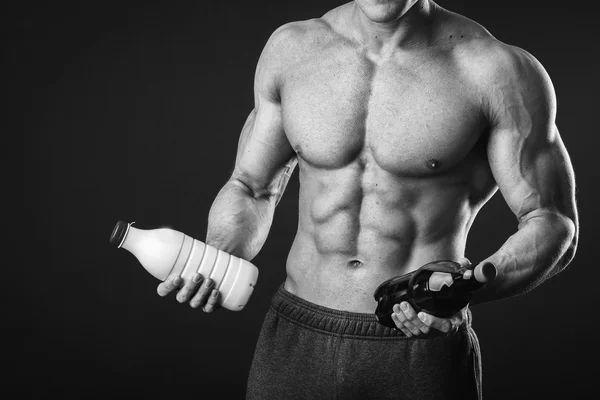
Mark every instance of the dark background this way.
pixel 132 110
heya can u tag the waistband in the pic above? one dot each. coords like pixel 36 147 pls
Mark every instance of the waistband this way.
pixel 338 322
pixel 328 320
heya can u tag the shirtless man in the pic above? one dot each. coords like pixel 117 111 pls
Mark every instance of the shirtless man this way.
pixel 404 119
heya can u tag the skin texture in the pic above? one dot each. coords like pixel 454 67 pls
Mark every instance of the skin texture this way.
pixel 403 119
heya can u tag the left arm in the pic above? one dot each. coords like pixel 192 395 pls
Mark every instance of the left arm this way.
pixel 534 174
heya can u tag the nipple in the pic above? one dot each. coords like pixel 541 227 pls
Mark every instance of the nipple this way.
pixel 433 163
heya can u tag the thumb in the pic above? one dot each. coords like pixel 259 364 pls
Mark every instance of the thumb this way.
pixel 441 324
pixel 464 262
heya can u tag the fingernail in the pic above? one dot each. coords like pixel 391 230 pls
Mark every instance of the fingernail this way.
pixel 208 283
pixel 177 281
pixel 197 278
pixel 396 308
pixel 404 306
pixel 215 293
pixel 422 317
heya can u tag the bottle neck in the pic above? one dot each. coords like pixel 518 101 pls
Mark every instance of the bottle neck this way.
pixel 125 234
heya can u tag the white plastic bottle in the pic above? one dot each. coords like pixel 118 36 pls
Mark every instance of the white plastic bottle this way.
pixel 165 251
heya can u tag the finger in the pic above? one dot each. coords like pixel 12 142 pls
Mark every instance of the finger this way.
pixel 468 274
pixel 171 283
pixel 464 262
pixel 211 304
pixel 190 288
pixel 199 299
pixel 401 316
pixel 441 324
pixel 401 326
pixel 411 316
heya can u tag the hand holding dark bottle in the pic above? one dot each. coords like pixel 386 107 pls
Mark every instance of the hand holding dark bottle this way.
pixel 440 288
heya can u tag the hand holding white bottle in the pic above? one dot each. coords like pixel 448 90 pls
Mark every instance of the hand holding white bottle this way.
pixel 165 251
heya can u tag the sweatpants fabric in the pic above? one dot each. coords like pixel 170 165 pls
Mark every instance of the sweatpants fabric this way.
pixel 305 351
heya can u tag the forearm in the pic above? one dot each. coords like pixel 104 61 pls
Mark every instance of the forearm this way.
pixel 239 220
pixel 543 245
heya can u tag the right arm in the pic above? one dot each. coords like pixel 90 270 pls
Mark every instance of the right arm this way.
pixel 241 215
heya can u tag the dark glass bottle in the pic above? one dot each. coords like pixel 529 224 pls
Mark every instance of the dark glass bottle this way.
pixel 439 288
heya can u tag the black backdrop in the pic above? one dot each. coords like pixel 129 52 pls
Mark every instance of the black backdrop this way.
pixel 132 110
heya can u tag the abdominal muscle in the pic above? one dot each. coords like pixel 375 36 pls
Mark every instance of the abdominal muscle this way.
pixel 359 226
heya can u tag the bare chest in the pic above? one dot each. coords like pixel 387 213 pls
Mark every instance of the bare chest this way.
pixel 340 107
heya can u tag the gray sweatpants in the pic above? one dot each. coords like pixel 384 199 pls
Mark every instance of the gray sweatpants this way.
pixel 306 351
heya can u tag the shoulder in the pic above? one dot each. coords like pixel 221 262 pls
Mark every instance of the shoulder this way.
pixel 294 39
pixel 288 46
pixel 298 39
pixel 497 70
pixel 494 64
pixel 472 45
pixel 508 77
pixel 292 44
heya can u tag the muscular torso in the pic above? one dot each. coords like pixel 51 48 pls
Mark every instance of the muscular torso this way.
pixel 392 163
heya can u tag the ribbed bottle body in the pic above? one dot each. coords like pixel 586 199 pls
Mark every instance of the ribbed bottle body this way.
pixel 166 251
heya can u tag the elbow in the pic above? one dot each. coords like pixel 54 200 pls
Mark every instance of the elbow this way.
pixel 253 189
pixel 560 235
pixel 569 231
pixel 572 242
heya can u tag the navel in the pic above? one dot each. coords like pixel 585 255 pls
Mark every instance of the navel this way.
pixel 433 163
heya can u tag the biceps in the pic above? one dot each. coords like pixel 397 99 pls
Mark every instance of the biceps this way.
pixel 263 151
pixel 533 172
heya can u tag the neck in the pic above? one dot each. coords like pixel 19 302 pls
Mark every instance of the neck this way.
pixel 408 28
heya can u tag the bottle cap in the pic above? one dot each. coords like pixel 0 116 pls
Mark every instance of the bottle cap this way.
pixel 485 272
pixel 118 233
